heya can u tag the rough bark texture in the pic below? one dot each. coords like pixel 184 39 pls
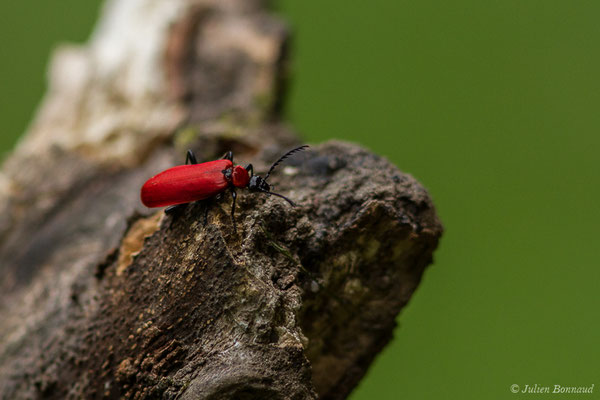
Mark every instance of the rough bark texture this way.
pixel 103 298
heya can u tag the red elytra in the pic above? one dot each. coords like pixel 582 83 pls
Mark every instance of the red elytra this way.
pixel 187 183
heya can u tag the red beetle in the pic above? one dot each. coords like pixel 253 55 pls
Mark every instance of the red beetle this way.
pixel 186 183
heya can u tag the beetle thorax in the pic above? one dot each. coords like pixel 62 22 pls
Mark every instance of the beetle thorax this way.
pixel 239 177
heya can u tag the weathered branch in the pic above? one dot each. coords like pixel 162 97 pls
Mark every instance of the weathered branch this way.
pixel 101 297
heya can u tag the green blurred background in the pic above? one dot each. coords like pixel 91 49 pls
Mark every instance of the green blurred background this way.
pixel 494 107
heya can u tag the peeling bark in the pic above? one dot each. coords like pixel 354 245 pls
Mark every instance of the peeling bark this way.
pixel 103 298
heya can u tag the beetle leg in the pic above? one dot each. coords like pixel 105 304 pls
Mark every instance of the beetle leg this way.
pixel 233 195
pixel 228 156
pixel 250 169
pixel 190 158
pixel 206 203
pixel 175 208
pixel 206 207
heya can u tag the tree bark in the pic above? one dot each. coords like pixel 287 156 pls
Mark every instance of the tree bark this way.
pixel 103 298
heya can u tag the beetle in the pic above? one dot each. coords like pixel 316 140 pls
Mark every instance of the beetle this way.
pixel 183 184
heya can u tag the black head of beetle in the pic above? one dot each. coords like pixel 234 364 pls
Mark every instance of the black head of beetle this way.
pixel 259 184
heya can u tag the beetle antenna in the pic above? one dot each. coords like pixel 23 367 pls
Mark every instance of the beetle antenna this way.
pixel 283 157
pixel 280 195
